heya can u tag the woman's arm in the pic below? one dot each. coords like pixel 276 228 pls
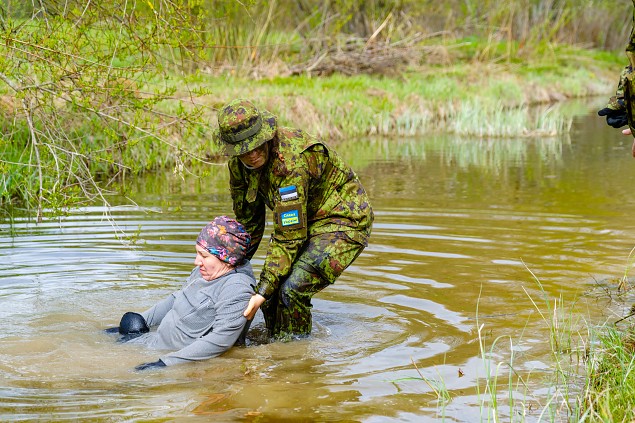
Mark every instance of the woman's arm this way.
pixel 155 314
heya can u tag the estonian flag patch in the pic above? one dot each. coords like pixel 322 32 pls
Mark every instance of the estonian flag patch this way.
pixel 288 193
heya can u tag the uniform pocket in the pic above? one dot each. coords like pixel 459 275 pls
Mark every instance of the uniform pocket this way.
pixel 290 221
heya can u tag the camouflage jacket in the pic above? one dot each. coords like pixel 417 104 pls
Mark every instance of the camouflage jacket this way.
pixel 310 190
pixel 626 76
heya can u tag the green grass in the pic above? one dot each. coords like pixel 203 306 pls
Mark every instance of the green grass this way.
pixel 610 389
pixel 483 101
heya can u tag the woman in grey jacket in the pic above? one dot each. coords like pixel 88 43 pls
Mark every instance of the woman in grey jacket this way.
pixel 205 317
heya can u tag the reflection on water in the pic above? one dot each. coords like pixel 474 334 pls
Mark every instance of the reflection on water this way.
pixel 460 226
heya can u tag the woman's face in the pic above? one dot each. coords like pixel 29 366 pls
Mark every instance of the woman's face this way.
pixel 256 158
pixel 211 267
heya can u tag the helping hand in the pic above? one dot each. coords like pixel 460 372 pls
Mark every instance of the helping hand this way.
pixel 151 365
pixel 255 302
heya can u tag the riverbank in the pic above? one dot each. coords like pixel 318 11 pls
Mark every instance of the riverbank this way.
pixel 90 96
pixel 477 99
pixel 469 97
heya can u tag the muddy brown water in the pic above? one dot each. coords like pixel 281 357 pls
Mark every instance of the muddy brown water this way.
pixel 475 242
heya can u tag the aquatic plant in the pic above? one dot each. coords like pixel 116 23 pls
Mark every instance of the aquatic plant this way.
pixel 505 391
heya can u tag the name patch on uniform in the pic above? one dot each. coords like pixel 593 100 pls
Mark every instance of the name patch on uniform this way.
pixel 288 193
pixel 290 217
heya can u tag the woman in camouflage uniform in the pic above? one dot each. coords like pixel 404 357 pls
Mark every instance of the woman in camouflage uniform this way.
pixel 321 213
pixel 619 110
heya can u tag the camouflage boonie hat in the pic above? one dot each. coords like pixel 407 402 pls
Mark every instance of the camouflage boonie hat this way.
pixel 243 128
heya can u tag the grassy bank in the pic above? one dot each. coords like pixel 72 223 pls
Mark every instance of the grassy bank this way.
pixel 93 94
pixel 610 389
pixel 481 100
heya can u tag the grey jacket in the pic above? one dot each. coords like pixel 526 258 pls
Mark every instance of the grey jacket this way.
pixel 204 318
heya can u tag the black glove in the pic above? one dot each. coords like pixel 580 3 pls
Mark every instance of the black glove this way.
pixel 615 118
pixel 146 366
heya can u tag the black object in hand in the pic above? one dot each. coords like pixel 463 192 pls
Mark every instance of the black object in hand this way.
pixel 146 366
pixel 614 118
pixel 131 325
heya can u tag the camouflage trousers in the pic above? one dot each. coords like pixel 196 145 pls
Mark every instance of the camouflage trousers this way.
pixel 322 259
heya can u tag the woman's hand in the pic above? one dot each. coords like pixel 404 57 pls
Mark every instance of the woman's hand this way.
pixel 255 302
pixel 146 366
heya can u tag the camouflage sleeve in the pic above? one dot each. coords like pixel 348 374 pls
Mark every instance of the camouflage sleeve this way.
pixel 289 229
pixel 250 214
pixel 630 47
pixel 617 101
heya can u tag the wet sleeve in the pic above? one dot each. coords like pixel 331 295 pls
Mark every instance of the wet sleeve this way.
pixel 289 231
pixel 226 327
pixel 251 214
pixel 155 314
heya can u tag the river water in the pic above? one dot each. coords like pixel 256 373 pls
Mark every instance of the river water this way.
pixel 479 249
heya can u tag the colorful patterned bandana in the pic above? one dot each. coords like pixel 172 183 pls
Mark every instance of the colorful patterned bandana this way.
pixel 225 238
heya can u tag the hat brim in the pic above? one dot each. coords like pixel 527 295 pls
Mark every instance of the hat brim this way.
pixel 267 132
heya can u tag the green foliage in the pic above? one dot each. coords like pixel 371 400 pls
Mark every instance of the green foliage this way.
pixel 610 390
pixel 94 92
pixel 80 102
